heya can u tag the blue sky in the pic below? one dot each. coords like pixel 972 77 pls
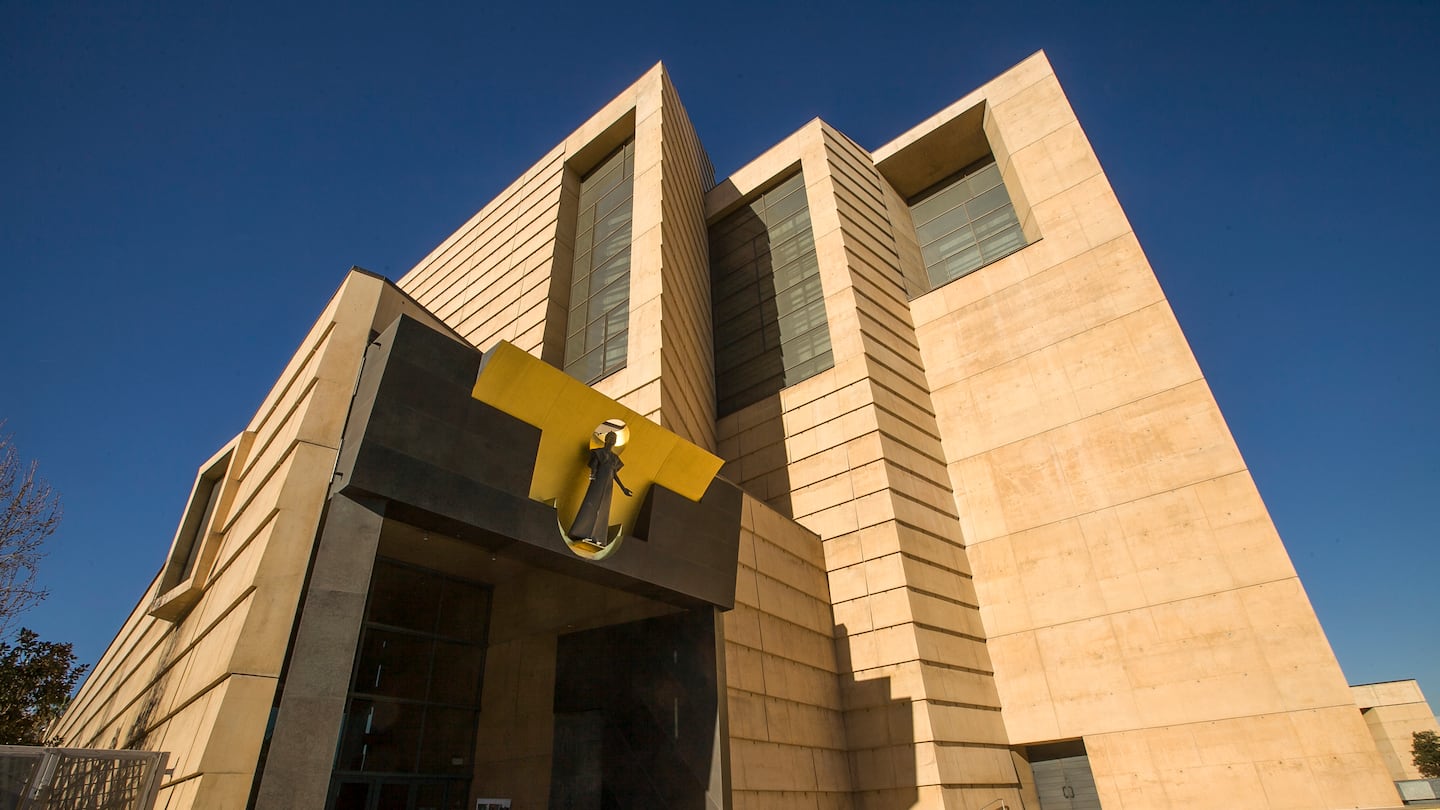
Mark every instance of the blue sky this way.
pixel 183 185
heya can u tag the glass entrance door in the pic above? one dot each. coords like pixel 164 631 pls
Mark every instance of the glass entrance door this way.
pixel 635 713
pixel 408 739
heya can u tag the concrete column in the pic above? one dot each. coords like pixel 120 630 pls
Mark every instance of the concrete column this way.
pixel 301 755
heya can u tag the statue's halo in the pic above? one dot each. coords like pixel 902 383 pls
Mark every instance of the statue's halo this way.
pixel 616 426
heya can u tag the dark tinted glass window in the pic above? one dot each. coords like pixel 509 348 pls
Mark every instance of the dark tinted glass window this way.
pixel 597 331
pixel 768 308
pixel 966 223
pixel 415 691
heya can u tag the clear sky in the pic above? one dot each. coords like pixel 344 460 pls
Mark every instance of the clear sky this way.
pixel 183 185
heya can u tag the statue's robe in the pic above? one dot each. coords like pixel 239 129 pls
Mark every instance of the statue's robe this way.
pixel 592 521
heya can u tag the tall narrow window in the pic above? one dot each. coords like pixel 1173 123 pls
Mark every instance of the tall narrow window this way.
pixel 599 322
pixel 770 326
pixel 965 223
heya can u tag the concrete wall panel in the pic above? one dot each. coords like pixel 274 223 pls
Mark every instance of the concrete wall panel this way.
pixel 202 687
pixel 1132 587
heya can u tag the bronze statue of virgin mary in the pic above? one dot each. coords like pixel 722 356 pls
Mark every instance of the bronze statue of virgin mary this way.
pixel 592 520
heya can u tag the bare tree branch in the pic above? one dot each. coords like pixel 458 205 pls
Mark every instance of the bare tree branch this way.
pixel 30 511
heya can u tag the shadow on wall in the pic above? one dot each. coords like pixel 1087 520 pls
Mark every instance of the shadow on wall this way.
pixel 137 735
pixel 752 442
pixel 880 732
pixel 748 305
pixel 749 361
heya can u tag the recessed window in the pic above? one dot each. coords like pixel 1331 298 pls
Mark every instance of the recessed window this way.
pixel 197 540
pixel 769 309
pixel 965 223
pixel 599 321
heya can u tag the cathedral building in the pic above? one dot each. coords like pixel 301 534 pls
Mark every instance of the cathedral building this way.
pixel 871 476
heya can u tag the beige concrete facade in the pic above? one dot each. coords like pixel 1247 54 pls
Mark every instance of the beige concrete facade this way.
pixel 1010 514
pixel 1394 711
pixel 854 455
pixel 200 685
pixel 495 278
pixel 1133 589
pixel 784 683
pixel 1106 556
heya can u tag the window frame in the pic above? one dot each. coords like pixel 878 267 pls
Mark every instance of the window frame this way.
pixel 738 292
pixel 574 360
pixel 950 182
pixel 186 572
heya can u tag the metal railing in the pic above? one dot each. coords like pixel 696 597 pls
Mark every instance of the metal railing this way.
pixel 33 778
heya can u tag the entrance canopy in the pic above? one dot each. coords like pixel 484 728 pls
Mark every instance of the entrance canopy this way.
pixel 420 440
